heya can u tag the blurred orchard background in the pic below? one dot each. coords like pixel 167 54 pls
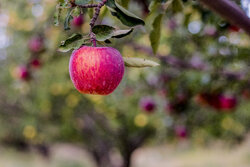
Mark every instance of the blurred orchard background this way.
pixel 192 110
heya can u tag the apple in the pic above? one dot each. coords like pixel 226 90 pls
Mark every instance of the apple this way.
pixel 147 104
pixel 78 21
pixel 36 44
pixel 181 131
pixel 234 28
pixel 217 101
pixel 35 63
pixel 23 73
pixel 96 70
pixel 227 102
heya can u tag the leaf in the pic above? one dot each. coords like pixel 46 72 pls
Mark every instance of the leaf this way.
pixel 177 6
pixel 68 19
pixel 155 34
pixel 125 16
pixel 75 41
pixel 125 3
pixel 122 33
pixel 138 62
pixel 103 32
pixel 81 2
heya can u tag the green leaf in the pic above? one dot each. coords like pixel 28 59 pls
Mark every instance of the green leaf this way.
pixel 68 20
pixel 122 33
pixel 103 32
pixel 125 3
pixel 82 2
pixel 138 62
pixel 177 6
pixel 155 34
pixel 73 42
pixel 125 16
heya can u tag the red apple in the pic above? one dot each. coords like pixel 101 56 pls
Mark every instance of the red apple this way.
pixel 36 44
pixel 181 131
pixel 23 73
pixel 96 70
pixel 35 63
pixel 234 28
pixel 78 21
pixel 227 102
pixel 147 104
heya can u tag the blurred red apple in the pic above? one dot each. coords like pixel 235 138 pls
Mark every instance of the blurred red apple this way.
pixel 217 101
pixel 181 131
pixel 147 104
pixel 23 73
pixel 78 21
pixel 227 102
pixel 36 44
pixel 234 28
pixel 35 63
pixel 96 70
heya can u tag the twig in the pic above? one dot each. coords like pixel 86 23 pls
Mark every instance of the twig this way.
pixel 229 11
pixel 93 20
pixel 179 63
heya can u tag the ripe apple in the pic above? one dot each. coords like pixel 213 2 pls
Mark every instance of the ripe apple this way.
pixel 234 28
pixel 96 70
pixel 217 101
pixel 36 44
pixel 147 104
pixel 181 131
pixel 35 63
pixel 78 21
pixel 23 73
pixel 227 102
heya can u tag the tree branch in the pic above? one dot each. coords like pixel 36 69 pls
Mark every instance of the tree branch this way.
pixel 93 20
pixel 229 11
pixel 181 64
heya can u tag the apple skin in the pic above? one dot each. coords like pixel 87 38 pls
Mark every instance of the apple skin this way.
pixel 96 70
pixel 147 104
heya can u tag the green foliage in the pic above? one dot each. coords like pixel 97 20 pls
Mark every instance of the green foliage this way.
pixel 126 17
pixel 104 32
pixel 155 34
pixel 75 41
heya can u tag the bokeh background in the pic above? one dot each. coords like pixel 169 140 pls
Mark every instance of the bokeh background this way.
pixel 192 110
